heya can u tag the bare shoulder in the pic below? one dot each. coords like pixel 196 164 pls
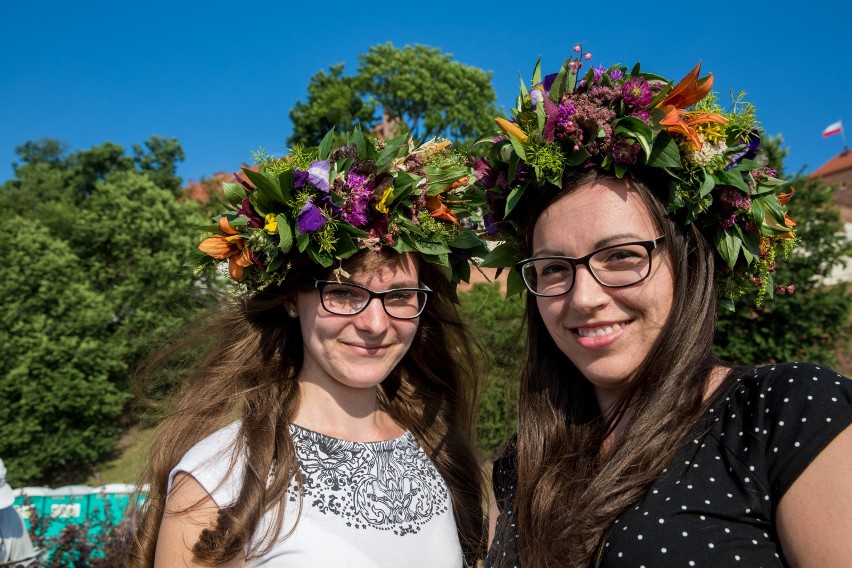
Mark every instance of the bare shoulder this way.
pixel 189 510
pixel 814 517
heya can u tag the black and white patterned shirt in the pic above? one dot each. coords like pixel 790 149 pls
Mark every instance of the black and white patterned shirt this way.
pixel 714 505
pixel 363 504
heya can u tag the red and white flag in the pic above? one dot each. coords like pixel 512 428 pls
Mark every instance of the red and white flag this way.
pixel 833 128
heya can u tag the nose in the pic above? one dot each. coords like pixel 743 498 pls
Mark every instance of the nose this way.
pixel 373 319
pixel 587 293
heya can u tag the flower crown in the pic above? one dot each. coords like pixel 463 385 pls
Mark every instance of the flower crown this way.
pixel 322 205
pixel 621 121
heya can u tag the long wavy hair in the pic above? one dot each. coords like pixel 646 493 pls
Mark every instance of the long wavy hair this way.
pixel 569 492
pixel 245 356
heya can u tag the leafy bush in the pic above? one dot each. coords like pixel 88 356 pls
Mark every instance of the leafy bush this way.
pixel 497 323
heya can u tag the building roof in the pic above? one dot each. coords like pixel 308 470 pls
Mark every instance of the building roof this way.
pixel 839 163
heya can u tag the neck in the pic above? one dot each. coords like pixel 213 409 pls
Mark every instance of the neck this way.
pixel 345 413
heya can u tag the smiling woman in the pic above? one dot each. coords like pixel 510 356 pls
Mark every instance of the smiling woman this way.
pixel 629 206
pixel 329 420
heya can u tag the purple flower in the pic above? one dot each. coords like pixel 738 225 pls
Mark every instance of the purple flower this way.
pixel 642 115
pixel 753 139
pixel 246 209
pixel 735 199
pixel 299 179
pixel 616 74
pixel 536 97
pixel 636 92
pixel 625 151
pixel 487 176
pixel 559 123
pixel 728 223
pixel 548 81
pixel 310 218
pixel 360 184
pixel 318 175
pixel 599 72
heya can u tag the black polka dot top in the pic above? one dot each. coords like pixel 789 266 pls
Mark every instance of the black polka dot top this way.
pixel 714 505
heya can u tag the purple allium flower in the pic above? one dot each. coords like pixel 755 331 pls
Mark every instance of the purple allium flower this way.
pixel 299 178
pixel 733 198
pixel 310 218
pixel 360 184
pixel 616 74
pixel 599 72
pixel 728 222
pixel 642 115
pixel 318 175
pixel 636 92
pixel 625 151
pixel 253 219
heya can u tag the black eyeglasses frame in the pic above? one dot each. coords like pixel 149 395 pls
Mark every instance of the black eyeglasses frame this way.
pixel 650 246
pixel 321 284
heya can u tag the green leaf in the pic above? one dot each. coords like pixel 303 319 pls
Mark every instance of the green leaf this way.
pixel 513 198
pixel 354 231
pixel 303 240
pixel 577 158
pixel 466 239
pixel 358 139
pixel 322 258
pixel 620 170
pixel 707 186
pixel 388 153
pixel 563 83
pixel 427 247
pixel 503 255
pixel 285 234
pixel 536 76
pixel 733 178
pixel 285 182
pixel 265 184
pixel 514 283
pixel 728 243
pixel 325 146
pixel 664 153
pixel 234 193
pixel 518 147
pixel 345 246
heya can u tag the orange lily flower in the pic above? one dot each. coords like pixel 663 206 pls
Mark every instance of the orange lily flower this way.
pixel 439 210
pixel 689 91
pixel 228 246
pixel 510 128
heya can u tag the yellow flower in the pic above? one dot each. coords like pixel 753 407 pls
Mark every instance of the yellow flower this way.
pixel 271 226
pixel 381 206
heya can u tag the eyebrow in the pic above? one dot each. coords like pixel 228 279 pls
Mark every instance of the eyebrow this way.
pixel 599 244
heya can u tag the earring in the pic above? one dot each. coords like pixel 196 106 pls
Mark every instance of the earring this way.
pixel 292 313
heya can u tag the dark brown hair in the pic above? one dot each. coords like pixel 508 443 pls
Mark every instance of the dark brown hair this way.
pixel 250 355
pixel 568 493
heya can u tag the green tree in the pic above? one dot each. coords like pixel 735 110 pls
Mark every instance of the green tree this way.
pixel 417 89
pixel 333 102
pixel 58 405
pixel 807 325
pixel 96 249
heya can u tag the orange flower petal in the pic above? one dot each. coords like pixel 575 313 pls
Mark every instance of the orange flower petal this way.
pixel 512 129
pixel 225 227
pixel 234 269
pixel 439 210
pixel 689 90
pixel 784 198
pixel 217 246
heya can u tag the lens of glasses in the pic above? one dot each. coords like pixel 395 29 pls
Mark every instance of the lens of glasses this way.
pixel 615 266
pixel 345 299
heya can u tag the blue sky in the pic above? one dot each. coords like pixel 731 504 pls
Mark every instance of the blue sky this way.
pixel 221 77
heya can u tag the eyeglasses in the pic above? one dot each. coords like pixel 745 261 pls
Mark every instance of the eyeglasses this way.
pixel 614 266
pixel 347 299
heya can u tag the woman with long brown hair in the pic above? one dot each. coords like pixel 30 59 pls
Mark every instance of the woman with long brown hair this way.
pixel 329 418
pixel 627 205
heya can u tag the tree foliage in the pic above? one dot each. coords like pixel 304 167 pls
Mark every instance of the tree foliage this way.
pixel 809 324
pixel 417 88
pixel 94 260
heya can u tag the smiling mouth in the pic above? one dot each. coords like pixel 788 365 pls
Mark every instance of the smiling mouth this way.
pixel 600 331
